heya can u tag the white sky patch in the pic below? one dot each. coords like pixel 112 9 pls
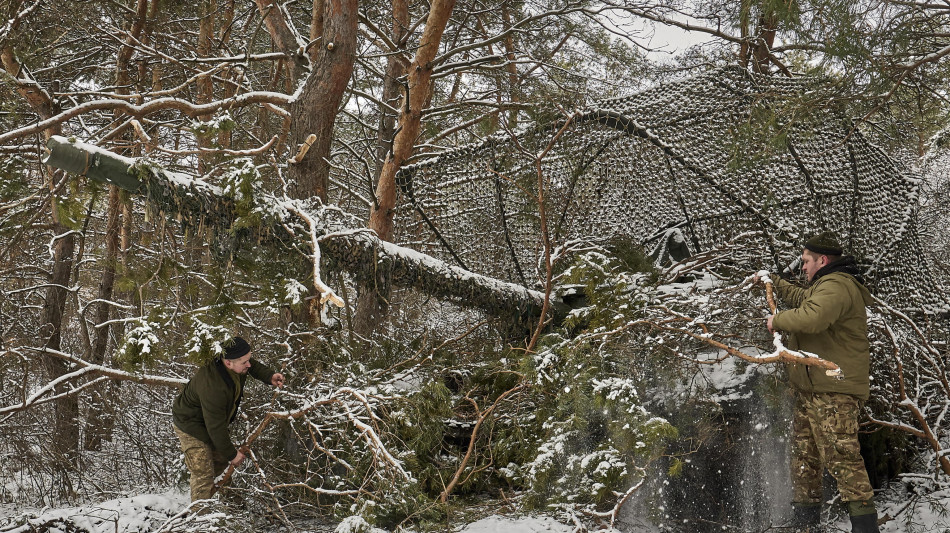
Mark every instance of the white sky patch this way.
pixel 669 41
pixel 663 41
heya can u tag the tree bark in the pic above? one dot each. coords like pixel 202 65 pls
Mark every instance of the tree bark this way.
pixel 282 33
pixel 204 84
pixel 234 75
pixel 314 112
pixel 395 69
pixel 762 51
pixel 757 50
pixel 332 53
pixel 514 83
pixel 419 87
pixel 65 433
pixel 99 417
pixel 372 304
pixel 100 421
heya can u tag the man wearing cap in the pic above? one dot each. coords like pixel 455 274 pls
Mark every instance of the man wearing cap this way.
pixel 207 405
pixel 828 318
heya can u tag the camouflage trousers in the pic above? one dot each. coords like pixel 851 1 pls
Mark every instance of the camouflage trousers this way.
pixel 204 463
pixel 825 436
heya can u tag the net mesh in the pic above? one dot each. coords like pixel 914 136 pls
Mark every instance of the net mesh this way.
pixel 712 156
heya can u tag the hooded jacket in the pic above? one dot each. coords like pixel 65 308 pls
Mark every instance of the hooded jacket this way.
pixel 209 402
pixel 829 319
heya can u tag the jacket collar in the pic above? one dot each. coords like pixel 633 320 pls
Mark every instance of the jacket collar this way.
pixel 845 265
pixel 223 372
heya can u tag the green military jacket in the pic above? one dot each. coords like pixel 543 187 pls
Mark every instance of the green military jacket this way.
pixel 828 319
pixel 209 402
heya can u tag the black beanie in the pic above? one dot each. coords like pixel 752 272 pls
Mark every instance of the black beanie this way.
pixel 825 243
pixel 235 348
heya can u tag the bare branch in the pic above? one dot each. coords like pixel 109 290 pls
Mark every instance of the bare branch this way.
pixel 14 22
pixel 163 104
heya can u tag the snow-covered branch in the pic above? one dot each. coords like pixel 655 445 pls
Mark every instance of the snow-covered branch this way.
pixel 338 397
pixel 326 293
pixel 111 373
pixel 356 250
pixel 926 431
pixel 15 21
pixel 162 104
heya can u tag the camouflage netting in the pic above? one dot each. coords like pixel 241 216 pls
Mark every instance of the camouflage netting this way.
pixel 712 156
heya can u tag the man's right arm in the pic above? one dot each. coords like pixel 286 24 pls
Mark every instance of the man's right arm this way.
pixel 790 294
pixel 816 314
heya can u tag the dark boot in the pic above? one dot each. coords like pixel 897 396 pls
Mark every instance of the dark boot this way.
pixel 806 518
pixel 863 517
pixel 865 523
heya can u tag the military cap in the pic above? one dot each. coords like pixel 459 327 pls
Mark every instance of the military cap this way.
pixel 235 348
pixel 825 243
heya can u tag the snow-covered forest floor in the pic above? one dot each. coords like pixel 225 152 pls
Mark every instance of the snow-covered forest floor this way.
pixel 164 512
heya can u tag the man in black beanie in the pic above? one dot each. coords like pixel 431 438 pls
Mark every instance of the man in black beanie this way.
pixel 207 405
pixel 828 318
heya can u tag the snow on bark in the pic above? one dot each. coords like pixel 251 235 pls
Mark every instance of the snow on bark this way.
pixel 327 230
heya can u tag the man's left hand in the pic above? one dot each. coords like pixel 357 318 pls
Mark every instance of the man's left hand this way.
pixel 769 324
pixel 277 380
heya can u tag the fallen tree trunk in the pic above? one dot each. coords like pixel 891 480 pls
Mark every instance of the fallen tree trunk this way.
pixel 294 224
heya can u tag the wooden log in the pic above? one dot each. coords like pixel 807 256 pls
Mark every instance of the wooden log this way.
pixel 343 241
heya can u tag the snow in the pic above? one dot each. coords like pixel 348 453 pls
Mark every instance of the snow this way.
pixel 926 516
pixel 160 511
pixel 700 285
pixel 727 381
pixel 295 290
pixel 431 264
pixel 145 512
pixel 528 524
pixel 356 524
pixel 94 150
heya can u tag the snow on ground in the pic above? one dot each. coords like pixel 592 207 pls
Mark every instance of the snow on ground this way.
pixel 149 512
pixel 498 524
pixel 135 514
pixel 930 514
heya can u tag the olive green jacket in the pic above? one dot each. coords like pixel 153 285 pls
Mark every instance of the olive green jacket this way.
pixel 209 402
pixel 828 319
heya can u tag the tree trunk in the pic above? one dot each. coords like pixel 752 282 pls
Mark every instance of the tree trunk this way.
pixel 234 74
pixel 395 69
pixel 205 84
pixel 514 83
pixel 65 431
pixel 373 304
pixel 99 413
pixel 314 112
pixel 757 50
pixel 763 45
pixel 65 434
pixel 282 33
pixel 100 420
